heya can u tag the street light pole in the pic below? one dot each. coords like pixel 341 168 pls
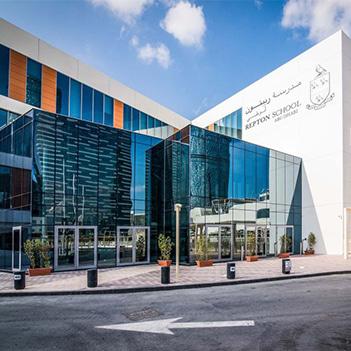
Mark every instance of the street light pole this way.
pixel 177 208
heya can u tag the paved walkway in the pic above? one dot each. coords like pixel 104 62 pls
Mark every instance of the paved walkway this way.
pixel 149 275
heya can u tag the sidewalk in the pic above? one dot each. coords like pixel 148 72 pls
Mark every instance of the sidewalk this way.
pixel 148 276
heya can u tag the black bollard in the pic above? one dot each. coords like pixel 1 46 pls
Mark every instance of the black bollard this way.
pixel 231 270
pixel 19 279
pixel 165 275
pixel 286 266
pixel 92 278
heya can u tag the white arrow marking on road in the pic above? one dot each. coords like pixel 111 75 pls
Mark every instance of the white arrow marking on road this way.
pixel 163 326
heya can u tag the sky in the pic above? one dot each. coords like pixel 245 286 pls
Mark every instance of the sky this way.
pixel 188 55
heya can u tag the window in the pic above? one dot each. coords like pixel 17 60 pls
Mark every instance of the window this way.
pixel 33 96
pixel 3 117
pixel 62 93
pixel 135 124
pixel 87 113
pixel 143 121
pixel 4 70
pixel 75 99
pixel 127 119
pixel 98 107
pixel 108 111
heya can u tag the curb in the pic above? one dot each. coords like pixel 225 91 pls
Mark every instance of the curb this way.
pixel 168 287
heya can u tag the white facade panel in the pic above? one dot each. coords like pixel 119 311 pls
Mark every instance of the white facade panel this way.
pixel 298 109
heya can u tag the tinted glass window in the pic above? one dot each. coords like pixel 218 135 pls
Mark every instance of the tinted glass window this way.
pixel 75 100
pixel 4 70
pixel 98 107
pixel 143 121
pixel 108 111
pixel 135 124
pixel 127 118
pixel 87 113
pixel 3 117
pixel 33 96
pixel 62 92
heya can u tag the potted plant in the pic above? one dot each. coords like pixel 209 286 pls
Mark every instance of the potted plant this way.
pixel 285 243
pixel 165 246
pixel 38 255
pixel 311 241
pixel 201 252
pixel 251 247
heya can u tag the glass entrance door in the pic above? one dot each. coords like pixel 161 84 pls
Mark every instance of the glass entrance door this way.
pixel 75 247
pixel 285 239
pixel 133 245
pixel 262 240
pixel 219 242
pixel 16 248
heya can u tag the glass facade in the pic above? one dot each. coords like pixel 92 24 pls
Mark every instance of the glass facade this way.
pixel 230 125
pixel 33 87
pixel 85 174
pixel 4 70
pixel 88 179
pixel 62 94
pixel 138 121
pixel 235 189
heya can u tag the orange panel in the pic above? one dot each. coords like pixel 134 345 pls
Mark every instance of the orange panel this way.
pixel 18 76
pixel 211 127
pixel 48 89
pixel 118 114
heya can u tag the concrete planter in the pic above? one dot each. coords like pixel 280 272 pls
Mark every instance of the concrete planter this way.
pixel 164 263
pixel 309 252
pixel 251 258
pixel 204 263
pixel 34 272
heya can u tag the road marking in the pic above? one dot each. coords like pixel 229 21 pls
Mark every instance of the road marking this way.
pixel 163 326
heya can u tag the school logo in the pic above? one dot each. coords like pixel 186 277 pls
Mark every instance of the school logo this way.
pixel 320 89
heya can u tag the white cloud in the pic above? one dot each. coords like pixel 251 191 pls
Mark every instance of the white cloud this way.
pixel 186 22
pixel 320 17
pixel 159 53
pixel 134 41
pixel 125 10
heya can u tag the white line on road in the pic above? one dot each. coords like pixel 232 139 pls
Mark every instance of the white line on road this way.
pixel 163 326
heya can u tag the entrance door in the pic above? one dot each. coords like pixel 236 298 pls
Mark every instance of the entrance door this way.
pixel 16 248
pixel 250 240
pixel 133 245
pixel 75 247
pixel 262 240
pixel 219 242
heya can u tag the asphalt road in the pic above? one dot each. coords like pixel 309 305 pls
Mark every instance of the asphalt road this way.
pixel 304 314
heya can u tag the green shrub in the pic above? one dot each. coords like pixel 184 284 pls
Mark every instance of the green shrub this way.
pixel 37 252
pixel 165 246
pixel 201 248
pixel 311 240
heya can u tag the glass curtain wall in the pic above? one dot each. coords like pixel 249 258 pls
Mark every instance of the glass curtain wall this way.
pixel 228 188
pixel 4 70
pixel 88 174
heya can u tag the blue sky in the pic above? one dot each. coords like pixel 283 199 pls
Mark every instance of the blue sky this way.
pixel 186 55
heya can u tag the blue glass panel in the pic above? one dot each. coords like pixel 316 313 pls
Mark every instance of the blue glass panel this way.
pixel 4 70
pixel 108 111
pixel 239 174
pixel 127 118
pixel 239 119
pixel 3 117
pixel 150 122
pixel 62 92
pixel 75 100
pixel 33 87
pixel 157 123
pixel 87 113
pixel 136 119
pixel 98 107
pixel 143 121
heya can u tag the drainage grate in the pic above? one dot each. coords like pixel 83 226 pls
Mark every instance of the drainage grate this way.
pixel 145 313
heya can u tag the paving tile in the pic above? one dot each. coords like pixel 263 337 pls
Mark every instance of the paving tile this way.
pixel 149 275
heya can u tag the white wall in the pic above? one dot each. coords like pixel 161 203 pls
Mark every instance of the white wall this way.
pixel 309 130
